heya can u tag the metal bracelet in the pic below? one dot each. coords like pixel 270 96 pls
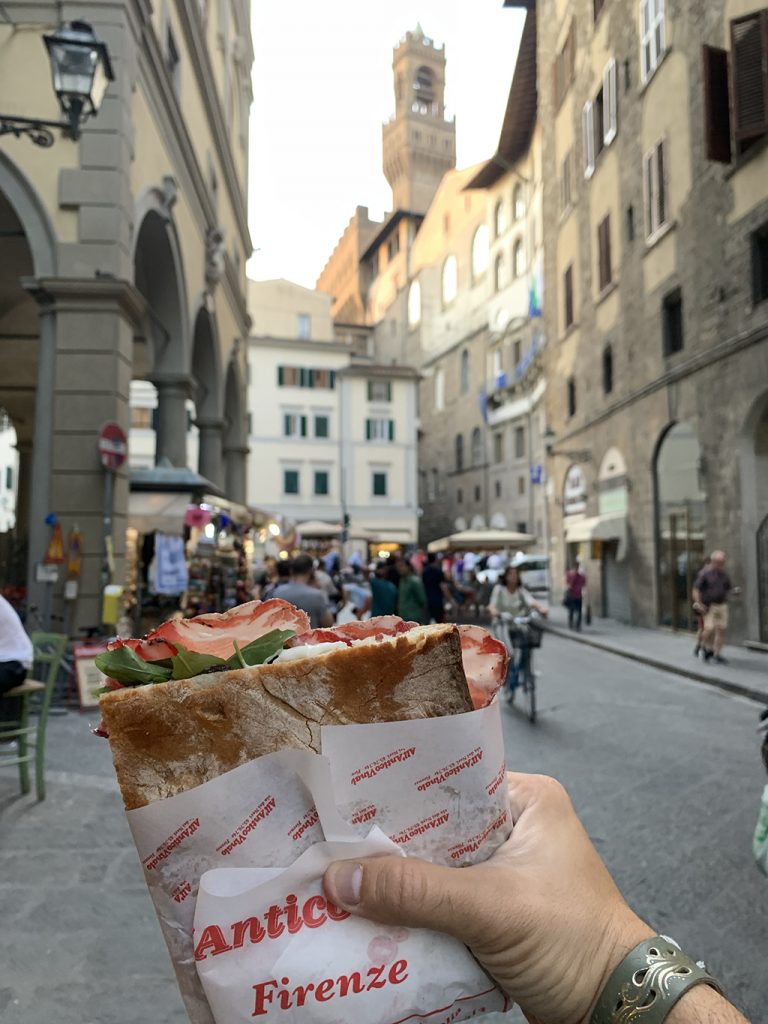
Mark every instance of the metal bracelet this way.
pixel 648 982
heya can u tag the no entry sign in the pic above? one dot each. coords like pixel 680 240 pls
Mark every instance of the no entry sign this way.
pixel 113 446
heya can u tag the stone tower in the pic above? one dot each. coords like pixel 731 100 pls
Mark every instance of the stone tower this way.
pixel 419 143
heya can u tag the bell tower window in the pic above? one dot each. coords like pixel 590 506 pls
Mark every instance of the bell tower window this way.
pixel 424 91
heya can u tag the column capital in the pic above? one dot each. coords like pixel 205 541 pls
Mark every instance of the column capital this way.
pixel 209 423
pixel 88 294
pixel 236 449
pixel 181 383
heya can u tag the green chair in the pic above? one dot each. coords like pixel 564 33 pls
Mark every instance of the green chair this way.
pixel 49 649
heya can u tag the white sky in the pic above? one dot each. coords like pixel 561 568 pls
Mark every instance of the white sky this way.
pixel 322 88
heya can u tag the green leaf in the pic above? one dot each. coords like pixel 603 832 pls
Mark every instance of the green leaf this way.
pixel 259 651
pixel 189 663
pixel 124 665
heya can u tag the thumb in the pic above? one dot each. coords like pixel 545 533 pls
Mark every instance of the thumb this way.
pixel 412 892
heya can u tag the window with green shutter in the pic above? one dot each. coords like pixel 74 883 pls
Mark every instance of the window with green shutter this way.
pixel 391 430
pixel 379 391
pixel 321 482
pixel 290 481
pixel 322 426
pixel 379 485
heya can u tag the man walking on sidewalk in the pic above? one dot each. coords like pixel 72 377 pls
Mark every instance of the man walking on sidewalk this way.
pixel 575 583
pixel 713 586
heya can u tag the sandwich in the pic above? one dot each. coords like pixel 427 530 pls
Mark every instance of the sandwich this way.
pixel 198 697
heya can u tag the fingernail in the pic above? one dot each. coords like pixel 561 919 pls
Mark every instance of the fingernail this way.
pixel 346 878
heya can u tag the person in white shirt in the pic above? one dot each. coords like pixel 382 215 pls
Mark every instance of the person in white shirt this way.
pixel 15 658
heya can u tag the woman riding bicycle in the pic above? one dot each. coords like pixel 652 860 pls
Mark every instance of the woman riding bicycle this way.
pixel 509 601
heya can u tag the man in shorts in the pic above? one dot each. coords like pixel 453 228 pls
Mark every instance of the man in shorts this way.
pixel 713 586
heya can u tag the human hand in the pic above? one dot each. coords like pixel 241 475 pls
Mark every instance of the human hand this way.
pixel 543 916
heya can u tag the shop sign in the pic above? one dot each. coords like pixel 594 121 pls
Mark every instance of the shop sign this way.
pixel 574 492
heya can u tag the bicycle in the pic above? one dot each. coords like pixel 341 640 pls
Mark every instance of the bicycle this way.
pixel 524 638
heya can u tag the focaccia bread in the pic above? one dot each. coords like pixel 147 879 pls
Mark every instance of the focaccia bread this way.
pixel 173 736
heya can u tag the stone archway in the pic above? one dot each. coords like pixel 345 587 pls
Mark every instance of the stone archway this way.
pixel 206 374
pixel 235 435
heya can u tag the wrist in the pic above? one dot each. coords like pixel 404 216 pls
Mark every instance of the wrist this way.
pixel 620 938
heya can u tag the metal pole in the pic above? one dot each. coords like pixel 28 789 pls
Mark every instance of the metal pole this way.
pixel 109 495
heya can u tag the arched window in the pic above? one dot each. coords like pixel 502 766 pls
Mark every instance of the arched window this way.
pixel 518 203
pixel 459 453
pixel 477 447
pixel 464 375
pixel 414 304
pixel 518 258
pixel 607 370
pixel 500 218
pixel 499 273
pixel 480 252
pixel 449 280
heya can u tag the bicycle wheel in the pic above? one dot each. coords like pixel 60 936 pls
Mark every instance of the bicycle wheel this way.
pixel 529 685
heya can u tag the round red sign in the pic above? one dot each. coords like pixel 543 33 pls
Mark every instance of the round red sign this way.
pixel 113 446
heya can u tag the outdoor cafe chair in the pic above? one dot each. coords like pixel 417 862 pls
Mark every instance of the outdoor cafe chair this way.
pixel 29 739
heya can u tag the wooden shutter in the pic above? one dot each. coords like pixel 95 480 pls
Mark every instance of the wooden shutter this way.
pixel 368 430
pixel 588 132
pixel 303 426
pixel 717 114
pixel 604 249
pixel 391 430
pixel 568 285
pixel 749 54
pixel 610 104
pixel 280 376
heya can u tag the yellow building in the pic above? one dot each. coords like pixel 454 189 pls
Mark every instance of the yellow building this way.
pixel 122 257
pixel 656 276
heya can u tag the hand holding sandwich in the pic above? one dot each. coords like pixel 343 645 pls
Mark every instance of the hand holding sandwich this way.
pixel 543 915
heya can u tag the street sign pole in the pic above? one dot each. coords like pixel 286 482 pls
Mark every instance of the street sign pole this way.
pixel 113 451
pixel 109 498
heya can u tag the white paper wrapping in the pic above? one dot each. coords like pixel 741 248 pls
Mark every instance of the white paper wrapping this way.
pixel 434 786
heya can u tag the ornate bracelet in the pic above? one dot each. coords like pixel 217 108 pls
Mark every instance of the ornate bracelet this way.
pixel 648 982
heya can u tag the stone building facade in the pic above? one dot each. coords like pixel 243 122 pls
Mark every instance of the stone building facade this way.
pixel 656 277
pixel 123 258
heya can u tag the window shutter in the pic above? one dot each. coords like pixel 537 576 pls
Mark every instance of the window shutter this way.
pixel 333 379
pixel 391 430
pixel 303 426
pixel 153 420
pixel 280 376
pixel 749 53
pixel 368 430
pixel 648 193
pixel 370 391
pixel 610 104
pixel 661 184
pixel 588 130
pixel 717 114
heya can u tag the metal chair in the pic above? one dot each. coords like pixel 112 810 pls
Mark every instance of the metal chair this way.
pixel 48 649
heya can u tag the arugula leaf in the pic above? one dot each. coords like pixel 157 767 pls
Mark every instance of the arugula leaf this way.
pixel 259 651
pixel 124 665
pixel 190 663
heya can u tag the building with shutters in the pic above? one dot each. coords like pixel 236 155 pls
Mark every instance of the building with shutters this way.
pixel 122 258
pixel 655 117
pixel 332 434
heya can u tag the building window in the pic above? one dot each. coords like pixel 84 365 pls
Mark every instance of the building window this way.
pixel 566 184
pixel 519 442
pixel 749 63
pixel 568 296
pixel 518 259
pixel 497 488
pixel 459 497
pixel 322 426
pixel 431 485
pixel 607 370
pixel 464 373
pixel 294 425
pixel 480 252
pixel 290 481
pixel 449 280
pixel 500 219
pixel 652 35
pixel 439 390
pixel 498 447
pixel 141 418
pixel 477 447
pixel 303 325
pixel 478 493
pixel 521 485
pixel 655 186
pixel 518 202
pixel 630 223
pixel 522 527
pixel 760 264
pixel 459 446
pixel 9 478
pixel 379 429
pixel 379 391
pixel 393 246
pixel 414 305
pixel 600 119
pixel 517 352
pixel 499 273
pixel 672 322
pixel 294 376
pixel 321 482
pixel 604 272
pixel 564 69
pixel 379 484
pixel 571 389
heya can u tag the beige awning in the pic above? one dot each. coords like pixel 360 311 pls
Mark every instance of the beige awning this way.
pixel 316 528
pixel 153 510
pixel 481 540
pixel 607 527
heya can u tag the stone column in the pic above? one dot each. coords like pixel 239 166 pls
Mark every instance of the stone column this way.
pixel 23 485
pixel 211 456
pixel 171 423
pixel 235 461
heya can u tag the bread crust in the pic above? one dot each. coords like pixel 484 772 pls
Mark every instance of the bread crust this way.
pixel 170 737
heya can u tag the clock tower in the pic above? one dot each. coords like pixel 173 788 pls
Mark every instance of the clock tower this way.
pixel 419 143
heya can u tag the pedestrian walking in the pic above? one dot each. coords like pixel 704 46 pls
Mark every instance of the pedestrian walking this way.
pixel 699 610
pixel 299 591
pixel 383 592
pixel 411 596
pixel 713 585
pixel 15 659
pixel 279 578
pixel 436 587
pixel 575 585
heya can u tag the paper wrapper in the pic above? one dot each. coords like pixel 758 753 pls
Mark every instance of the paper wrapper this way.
pixel 429 787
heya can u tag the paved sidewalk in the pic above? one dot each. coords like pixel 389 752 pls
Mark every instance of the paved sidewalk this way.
pixel 746 672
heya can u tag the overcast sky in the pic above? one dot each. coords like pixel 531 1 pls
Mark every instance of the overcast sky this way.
pixel 322 88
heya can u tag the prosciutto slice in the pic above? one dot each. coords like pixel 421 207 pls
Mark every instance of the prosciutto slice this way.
pixel 216 633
